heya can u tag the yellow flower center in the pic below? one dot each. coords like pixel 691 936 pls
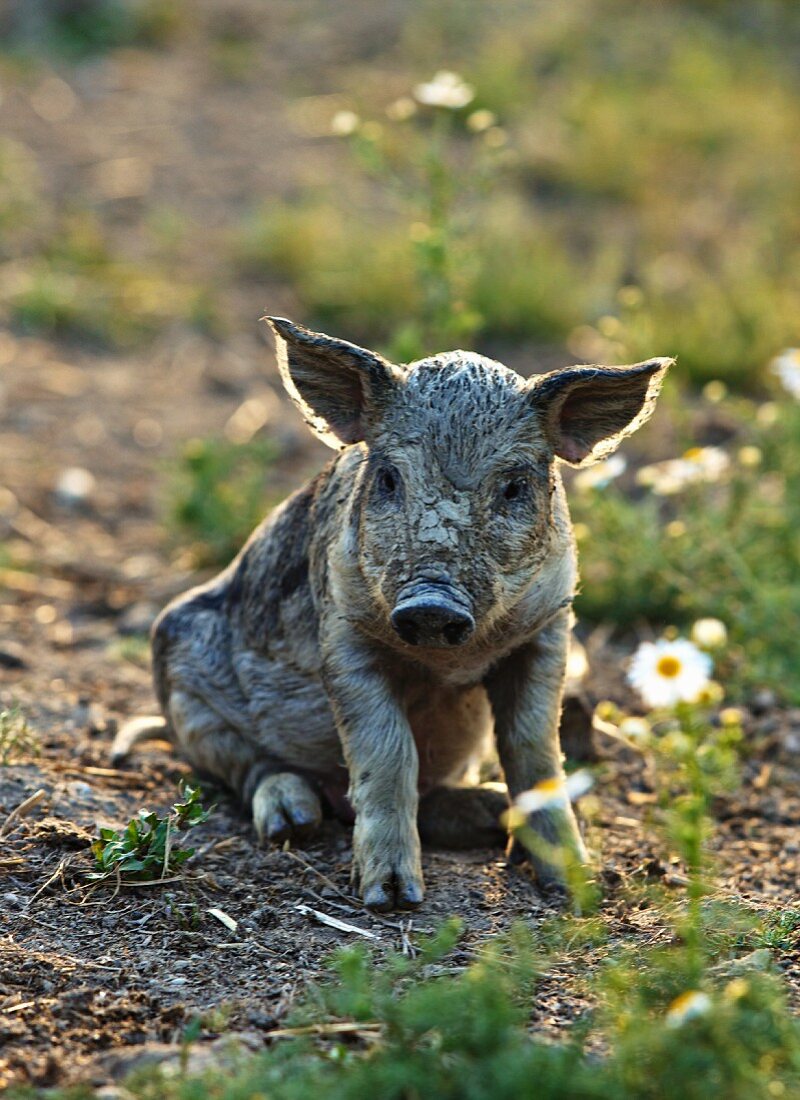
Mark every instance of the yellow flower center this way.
pixel 549 786
pixel 668 667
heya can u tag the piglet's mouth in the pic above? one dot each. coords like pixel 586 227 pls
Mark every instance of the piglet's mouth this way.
pixel 433 614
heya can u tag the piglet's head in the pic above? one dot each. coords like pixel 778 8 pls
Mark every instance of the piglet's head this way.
pixel 452 505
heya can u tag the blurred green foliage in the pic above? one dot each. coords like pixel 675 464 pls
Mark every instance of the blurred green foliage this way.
pixel 218 495
pixel 427 1027
pixel 81 28
pixel 72 284
pixel 647 145
pixel 727 548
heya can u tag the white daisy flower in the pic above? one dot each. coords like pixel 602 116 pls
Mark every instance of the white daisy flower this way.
pixel 699 464
pixel 709 633
pixel 688 1006
pixel 557 791
pixel 447 89
pixel 669 672
pixel 599 475
pixel 787 367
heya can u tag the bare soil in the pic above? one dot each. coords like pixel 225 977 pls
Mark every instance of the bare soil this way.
pixel 91 978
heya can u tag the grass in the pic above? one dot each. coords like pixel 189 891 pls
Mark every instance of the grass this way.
pixel 645 147
pixel 135 649
pixel 70 282
pixel 87 28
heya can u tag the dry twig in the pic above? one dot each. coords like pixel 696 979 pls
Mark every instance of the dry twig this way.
pixel 24 808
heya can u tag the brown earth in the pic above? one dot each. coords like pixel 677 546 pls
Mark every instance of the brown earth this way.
pixel 90 977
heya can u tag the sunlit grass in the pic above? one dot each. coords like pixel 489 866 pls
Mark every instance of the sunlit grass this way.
pixel 70 282
pixel 647 147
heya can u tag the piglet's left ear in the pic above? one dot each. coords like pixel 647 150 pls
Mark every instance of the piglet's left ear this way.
pixel 587 411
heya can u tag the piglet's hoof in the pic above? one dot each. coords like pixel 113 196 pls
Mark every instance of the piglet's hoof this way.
pixel 388 883
pixel 285 805
pixel 395 893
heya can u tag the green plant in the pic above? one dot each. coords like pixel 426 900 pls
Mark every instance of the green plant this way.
pixel 146 848
pixel 219 494
pixel 409 1028
pixel 779 931
pixel 17 739
pixel 134 648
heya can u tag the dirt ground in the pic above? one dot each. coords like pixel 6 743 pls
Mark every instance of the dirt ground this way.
pixel 90 980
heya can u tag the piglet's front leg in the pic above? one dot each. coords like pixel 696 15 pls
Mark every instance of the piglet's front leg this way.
pixel 382 761
pixel 525 693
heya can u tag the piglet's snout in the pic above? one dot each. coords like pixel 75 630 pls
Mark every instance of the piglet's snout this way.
pixel 432 614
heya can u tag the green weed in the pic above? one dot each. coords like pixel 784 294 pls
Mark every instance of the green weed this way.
pixel 779 931
pixel 134 648
pixel 75 285
pixel 415 1032
pixel 146 849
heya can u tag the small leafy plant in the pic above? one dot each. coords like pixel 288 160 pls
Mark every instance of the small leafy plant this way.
pixel 145 849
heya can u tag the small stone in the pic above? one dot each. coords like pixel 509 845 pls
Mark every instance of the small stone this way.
pixel 74 486
pixel 80 790
pixel 96 718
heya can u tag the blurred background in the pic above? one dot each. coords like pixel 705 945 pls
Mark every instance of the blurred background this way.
pixel 547 182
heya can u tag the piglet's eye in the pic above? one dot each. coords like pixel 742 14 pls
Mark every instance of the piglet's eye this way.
pixel 388 480
pixel 513 489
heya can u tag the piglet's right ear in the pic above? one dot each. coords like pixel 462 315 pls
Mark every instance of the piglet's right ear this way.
pixel 341 389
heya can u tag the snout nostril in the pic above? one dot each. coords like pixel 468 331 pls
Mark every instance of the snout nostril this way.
pixel 456 633
pixel 428 623
pixel 406 627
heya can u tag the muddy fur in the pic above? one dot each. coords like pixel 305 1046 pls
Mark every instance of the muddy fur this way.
pixel 411 601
